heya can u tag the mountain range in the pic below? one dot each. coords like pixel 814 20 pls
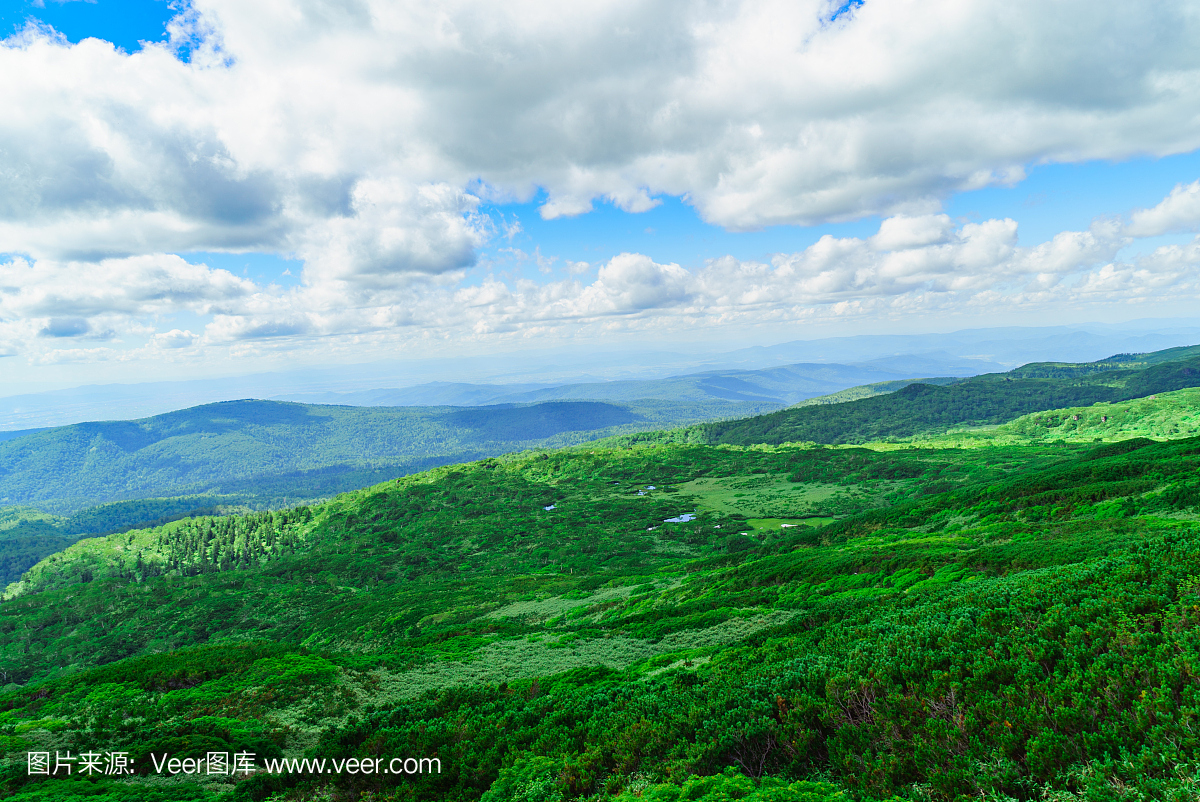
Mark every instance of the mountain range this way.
pixel 497 378
pixel 999 604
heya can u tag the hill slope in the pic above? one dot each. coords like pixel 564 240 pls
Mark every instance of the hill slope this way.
pixel 273 452
pixel 983 400
pixel 112 476
pixel 933 623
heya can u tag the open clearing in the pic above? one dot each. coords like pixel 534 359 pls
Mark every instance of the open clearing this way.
pixel 770 500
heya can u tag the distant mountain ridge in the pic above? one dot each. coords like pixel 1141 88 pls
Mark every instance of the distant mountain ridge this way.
pixel 275 452
pixel 109 476
pixel 494 378
pixel 922 408
pixel 782 385
pixel 292 451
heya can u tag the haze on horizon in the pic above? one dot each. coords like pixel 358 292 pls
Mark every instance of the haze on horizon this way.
pixel 219 188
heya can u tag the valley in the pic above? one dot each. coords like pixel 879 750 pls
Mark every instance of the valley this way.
pixel 1003 610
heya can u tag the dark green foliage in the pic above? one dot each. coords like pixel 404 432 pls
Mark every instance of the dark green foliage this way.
pixel 509 422
pixel 25 544
pixel 32 535
pixel 1016 621
pixel 251 454
pixel 275 453
pixel 983 400
pixel 121 516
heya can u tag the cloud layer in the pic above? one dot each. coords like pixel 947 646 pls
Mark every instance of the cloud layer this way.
pixel 760 113
pixel 913 264
pixel 362 136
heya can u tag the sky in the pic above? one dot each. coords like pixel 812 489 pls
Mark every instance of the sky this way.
pixel 213 187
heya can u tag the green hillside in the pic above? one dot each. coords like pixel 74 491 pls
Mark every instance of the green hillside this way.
pixel 983 400
pixel 1162 416
pixel 113 476
pixel 872 390
pixel 277 453
pixel 27 534
pixel 932 623
pixel 1005 611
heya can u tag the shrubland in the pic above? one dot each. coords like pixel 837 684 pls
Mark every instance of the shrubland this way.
pixel 1012 620
pixel 1004 613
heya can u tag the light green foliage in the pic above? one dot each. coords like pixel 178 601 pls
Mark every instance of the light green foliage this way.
pixel 1160 417
pixel 531 779
pixel 1010 622
pixel 12 517
pixel 767 496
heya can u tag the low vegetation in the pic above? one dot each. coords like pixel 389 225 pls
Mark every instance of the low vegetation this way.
pixel 984 400
pixel 1005 614
pixel 70 482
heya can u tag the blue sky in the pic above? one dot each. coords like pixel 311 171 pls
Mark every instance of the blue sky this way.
pixel 1053 198
pixel 125 23
pixel 302 185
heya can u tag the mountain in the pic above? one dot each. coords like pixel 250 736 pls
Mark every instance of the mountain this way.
pixel 604 376
pixel 663 622
pixel 275 453
pixel 979 401
pixel 103 477
pixel 492 378
pixel 781 385
pixel 60 484
pixel 1008 345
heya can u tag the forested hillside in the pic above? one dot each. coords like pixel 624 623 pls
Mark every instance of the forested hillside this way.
pixel 275 453
pixel 775 623
pixel 983 400
pixel 27 534
pixel 57 485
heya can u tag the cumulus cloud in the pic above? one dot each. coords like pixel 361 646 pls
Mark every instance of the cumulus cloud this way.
pixel 71 301
pixel 136 286
pixel 173 339
pixel 394 232
pixel 342 116
pixel 1179 211
pixel 363 136
pixel 631 282
pixel 930 263
pixel 898 233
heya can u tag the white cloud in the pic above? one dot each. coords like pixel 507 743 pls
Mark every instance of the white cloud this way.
pixel 631 282
pixel 395 231
pixel 760 113
pixel 361 136
pixel 968 266
pixel 135 286
pixel 897 233
pixel 45 302
pixel 173 339
pixel 963 266
pixel 1179 211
